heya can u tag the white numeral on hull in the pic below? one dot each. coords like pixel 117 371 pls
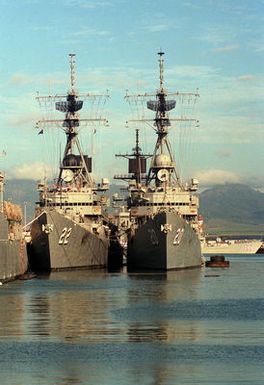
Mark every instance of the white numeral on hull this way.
pixel 65 236
pixel 178 237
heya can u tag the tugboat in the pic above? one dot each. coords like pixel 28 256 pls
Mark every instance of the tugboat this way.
pixel 70 229
pixel 13 257
pixel 217 261
pixel 164 213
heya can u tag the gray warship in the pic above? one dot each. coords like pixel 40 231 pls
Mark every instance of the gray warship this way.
pixel 13 256
pixel 70 230
pixel 163 233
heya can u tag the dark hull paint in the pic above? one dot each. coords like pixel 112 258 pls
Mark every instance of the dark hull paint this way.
pixel 55 251
pixel 153 248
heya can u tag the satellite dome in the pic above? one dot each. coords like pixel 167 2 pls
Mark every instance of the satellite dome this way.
pixel 162 160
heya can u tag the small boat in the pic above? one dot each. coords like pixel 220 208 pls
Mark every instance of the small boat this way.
pixel 27 276
pixel 230 246
pixel 217 261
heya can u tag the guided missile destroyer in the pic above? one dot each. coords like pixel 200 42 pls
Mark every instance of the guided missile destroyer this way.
pixel 164 213
pixel 70 230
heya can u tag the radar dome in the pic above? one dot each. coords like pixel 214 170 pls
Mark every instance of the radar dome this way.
pixel 162 160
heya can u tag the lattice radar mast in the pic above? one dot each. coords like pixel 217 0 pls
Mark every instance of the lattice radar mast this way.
pixel 162 169
pixel 75 167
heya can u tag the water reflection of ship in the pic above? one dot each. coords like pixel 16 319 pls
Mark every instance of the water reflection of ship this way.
pixel 165 290
pixel 74 314
pixel 12 321
pixel 164 213
pixel 76 317
pixel 39 317
pixel 164 286
pixel 84 311
pixel 70 229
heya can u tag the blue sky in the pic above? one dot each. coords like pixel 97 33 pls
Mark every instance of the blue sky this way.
pixel 215 46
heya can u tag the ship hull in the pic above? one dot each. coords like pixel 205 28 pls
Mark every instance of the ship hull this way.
pixel 59 243
pixel 164 242
pixel 13 257
pixel 240 247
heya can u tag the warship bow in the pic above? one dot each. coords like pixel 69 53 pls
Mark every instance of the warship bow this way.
pixel 70 229
pixel 163 233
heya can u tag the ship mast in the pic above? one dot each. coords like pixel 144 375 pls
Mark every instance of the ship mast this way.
pixel 162 158
pixel 2 181
pixel 75 168
pixel 71 124
pixel 161 61
pixel 72 62
pixel 136 165
pixel 137 152
pixel 162 168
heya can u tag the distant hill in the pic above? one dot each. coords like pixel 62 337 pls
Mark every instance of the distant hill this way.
pixel 22 192
pixel 227 209
pixel 234 208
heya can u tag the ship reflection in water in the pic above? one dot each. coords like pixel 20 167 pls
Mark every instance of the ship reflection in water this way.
pixel 92 327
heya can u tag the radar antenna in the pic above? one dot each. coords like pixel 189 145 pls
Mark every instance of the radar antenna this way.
pixel 75 168
pixel 162 158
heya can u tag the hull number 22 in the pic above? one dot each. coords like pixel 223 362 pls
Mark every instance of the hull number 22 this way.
pixel 65 236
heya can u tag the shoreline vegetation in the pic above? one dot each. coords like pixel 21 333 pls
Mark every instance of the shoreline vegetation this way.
pixel 226 228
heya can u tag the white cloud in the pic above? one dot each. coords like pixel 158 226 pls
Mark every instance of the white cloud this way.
pixel 88 4
pixel 215 176
pixel 25 120
pixel 218 34
pixel 159 22
pixel 257 43
pixel 223 108
pixel 246 78
pixel 191 5
pixel 91 32
pixel 195 72
pixel 223 153
pixel 227 48
pixel 157 28
pixel 45 28
pixel 35 171
pixel 95 4
pixel 20 79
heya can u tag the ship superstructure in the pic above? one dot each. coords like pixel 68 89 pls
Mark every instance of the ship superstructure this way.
pixel 13 257
pixel 230 246
pixel 164 212
pixel 70 230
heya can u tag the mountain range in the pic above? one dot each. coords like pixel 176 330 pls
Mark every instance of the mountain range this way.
pixel 227 209
pixel 233 208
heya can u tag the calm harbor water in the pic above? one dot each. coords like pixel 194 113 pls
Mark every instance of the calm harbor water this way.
pixel 92 327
